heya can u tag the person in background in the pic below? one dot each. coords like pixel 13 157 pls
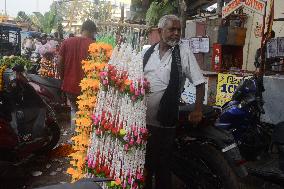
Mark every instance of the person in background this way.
pixel 72 51
pixel 257 60
pixel 28 46
pixel 52 42
pixel 166 65
pixel 71 35
pixel 28 43
pixel 57 37
pixel 43 47
pixel 37 43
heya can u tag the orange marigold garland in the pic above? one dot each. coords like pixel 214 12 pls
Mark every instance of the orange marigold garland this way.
pixel 100 54
pixel 2 70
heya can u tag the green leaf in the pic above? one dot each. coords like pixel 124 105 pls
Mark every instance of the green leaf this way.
pixel 159 9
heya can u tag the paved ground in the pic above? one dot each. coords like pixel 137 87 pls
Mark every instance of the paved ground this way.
pixel 51 170
pixel 44 171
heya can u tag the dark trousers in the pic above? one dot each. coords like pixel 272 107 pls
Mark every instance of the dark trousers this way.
pixel 74 108
pixel 158 157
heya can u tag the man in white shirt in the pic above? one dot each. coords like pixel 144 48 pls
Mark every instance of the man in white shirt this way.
pixel 166 66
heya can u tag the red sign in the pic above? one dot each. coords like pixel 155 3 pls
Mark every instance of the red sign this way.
pixel 216 60
pixel 257 6
pixel 231 7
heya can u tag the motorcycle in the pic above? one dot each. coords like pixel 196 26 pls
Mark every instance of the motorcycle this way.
pixel 261 145
pixel 47 87
pixel 28 125
pixel 204 155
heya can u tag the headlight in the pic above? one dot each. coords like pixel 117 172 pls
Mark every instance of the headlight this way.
pixel 240 106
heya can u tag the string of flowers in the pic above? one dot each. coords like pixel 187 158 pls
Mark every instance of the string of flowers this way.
pixel 118 141
pixel 2 70
pixel 99 55
pixel 48 68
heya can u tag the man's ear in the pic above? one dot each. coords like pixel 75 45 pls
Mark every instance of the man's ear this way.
pixel 160 30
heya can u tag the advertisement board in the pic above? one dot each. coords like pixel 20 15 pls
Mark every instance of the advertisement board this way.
pixel 226 86
pixel 257 6
pixel 231 7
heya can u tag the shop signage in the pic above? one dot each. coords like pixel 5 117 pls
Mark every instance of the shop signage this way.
pixel 231 7
pixel 189 93
pixel 226 86
pixel 257 6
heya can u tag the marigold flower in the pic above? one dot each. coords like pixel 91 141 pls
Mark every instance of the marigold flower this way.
pixel 127 82
pixel 100 53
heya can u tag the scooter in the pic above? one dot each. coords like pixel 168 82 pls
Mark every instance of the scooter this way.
pixel 49 89
pixel 28 125
pixel 261 144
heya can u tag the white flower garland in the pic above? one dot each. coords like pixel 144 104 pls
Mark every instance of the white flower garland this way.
pixel 118 143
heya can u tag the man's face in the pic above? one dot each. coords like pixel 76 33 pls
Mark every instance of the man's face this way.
pixel 170 34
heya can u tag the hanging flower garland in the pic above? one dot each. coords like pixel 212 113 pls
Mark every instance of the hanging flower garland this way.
pixel 99 56
pixel 2 70
pixel 48 68
pixel 118 142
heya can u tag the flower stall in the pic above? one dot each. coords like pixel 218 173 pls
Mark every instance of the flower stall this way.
pixel 48 65
pixel 114 126
pixel 9 62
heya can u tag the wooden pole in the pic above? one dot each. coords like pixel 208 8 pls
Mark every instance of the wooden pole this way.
pixel 122 13
pixel 182 8
pixel 5 8
pixel 263 42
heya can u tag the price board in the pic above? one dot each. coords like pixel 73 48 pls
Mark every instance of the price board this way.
pixel 226 86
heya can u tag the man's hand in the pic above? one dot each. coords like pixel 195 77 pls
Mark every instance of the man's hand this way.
pixel 195 117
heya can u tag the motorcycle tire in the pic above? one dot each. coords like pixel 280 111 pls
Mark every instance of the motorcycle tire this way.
pixel 54 134
pixel 202 166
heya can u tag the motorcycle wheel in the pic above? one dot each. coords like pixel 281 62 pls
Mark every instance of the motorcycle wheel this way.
pixel 202 166
pixel 53 132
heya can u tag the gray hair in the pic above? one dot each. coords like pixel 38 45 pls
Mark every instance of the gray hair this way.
pixel 164 19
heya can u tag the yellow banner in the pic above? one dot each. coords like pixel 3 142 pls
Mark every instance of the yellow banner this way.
pixel 226 86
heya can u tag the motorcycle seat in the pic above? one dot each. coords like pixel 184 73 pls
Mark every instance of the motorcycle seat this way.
pixel 46 81
pixel 208 111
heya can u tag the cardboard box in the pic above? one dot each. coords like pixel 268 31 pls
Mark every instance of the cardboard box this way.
pixel 236 36
pixel 232 36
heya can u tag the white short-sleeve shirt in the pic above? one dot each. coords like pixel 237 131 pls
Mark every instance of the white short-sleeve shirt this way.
pixel 157 71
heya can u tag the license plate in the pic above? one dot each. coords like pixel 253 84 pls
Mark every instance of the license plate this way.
pixel 227 148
